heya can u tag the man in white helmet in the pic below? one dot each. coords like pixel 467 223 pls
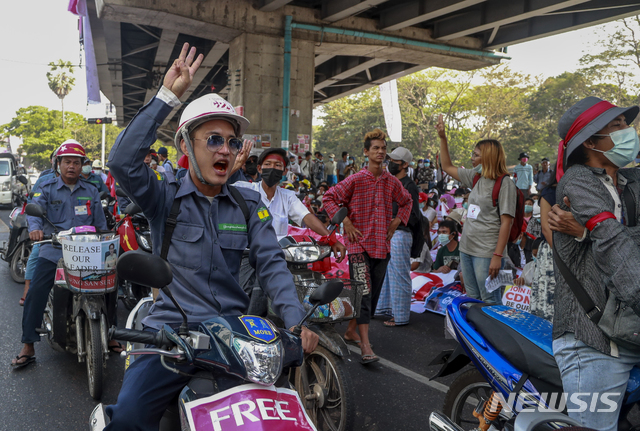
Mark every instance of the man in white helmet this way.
pixel 211 232
pixel 68 202
pixel 97 169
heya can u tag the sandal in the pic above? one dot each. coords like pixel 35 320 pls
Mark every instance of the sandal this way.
pixel 368 358
pixel 29 360
pixel 353 342
pixel 391 323
pixel 21 302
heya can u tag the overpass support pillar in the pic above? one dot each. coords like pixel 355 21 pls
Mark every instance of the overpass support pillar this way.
pixel 256 82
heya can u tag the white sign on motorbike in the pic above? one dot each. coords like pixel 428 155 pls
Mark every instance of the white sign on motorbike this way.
pixel 98 255
pixel 249 408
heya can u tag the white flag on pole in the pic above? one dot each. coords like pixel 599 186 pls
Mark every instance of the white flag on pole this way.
pixel 391 109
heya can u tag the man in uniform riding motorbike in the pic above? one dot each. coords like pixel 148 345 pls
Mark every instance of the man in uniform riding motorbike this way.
pixel 68 202
pixel 210 234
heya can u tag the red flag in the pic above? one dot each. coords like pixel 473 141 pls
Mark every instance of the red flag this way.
pixel 127 235
pixel 111 183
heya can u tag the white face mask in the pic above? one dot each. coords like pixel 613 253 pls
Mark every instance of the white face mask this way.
pixel 86 170
pixel 97 171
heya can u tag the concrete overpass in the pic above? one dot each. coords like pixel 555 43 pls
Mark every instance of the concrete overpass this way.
pixel 338 47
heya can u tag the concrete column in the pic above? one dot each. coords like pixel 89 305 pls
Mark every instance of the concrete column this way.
pixel 257 60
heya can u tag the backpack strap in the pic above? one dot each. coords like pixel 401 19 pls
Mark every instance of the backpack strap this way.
pixel 495 195
pixel 476 178
pixel 630 204
pixel 241 202
pixel 169 226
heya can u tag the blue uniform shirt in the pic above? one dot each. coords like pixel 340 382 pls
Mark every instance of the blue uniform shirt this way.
pixel 41 179
pixel 209 238
pixel 96 180
pixel 62 207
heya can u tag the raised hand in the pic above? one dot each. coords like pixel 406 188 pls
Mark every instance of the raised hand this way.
pixel 243 155
pixel 440 127
pixel 180 74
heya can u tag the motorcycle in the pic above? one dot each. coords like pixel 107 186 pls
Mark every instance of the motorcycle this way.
pixel 17 250
pixel 75 317
pixel 323 381
pixel 514 368
pixel 242 360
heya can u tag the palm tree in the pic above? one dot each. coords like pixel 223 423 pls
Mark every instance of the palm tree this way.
pixel 60 80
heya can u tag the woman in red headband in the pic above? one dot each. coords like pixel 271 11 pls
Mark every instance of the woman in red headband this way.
pixel 603 262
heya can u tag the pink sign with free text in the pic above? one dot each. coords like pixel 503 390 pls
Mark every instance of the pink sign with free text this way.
pixel 249 407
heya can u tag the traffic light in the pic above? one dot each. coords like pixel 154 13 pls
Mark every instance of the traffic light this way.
pixel 105 120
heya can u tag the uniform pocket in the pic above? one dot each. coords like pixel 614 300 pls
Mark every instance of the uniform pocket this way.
pixel 186 247
pixel 233 241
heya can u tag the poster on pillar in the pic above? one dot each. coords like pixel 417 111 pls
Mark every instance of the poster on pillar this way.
pixel 285 145
pixel 391 109
pixel 266 140
pixel 301 143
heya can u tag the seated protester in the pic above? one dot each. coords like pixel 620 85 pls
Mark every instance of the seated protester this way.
pixel 424 262
pixel 528 208
pixel 529 269
pixel 515 250
pixel 213 227
pixel 427 207
pixel 68 202
pixel 456 217
pixel 448 257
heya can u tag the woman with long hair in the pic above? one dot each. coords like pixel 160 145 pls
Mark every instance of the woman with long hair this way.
pixel 486 231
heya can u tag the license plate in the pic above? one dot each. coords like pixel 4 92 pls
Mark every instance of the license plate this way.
pixel 249 408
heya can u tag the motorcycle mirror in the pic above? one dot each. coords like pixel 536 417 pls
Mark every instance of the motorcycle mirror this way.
pixel 34 210
pixel 326 293
pixel 104 195
pixel 121 193
pixel 23 179
pixel 132 209
pixel 145 269
pixel 339 216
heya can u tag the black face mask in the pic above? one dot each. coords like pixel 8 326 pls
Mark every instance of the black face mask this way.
pixel 394 168
pixel 251 168
pixel 272 176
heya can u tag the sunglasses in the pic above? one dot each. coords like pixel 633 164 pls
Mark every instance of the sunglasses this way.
pixel 215 143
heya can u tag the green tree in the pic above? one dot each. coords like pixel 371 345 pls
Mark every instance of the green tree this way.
pixel 60 80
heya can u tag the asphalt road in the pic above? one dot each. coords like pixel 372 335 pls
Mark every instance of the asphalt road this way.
pixel 52 394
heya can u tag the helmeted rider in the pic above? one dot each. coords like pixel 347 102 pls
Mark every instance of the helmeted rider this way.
pixel 68 202
pixel 209 238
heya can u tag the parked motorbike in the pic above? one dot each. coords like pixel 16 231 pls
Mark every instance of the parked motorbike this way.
pixel 242 360
pixel 514 368
pixel 75 317
pixel 17 250
pixel 323 381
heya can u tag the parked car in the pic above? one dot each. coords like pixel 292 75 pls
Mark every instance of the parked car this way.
pixel 9 184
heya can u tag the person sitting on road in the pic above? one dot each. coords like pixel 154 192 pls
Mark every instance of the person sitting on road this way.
pixel 68 202
pixel 215 223
pixel 448 257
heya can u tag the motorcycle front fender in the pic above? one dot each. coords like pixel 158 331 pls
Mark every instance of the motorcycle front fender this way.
pixel 92 306
pixel 330 339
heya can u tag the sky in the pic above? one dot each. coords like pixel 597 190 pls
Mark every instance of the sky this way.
pixel 40 31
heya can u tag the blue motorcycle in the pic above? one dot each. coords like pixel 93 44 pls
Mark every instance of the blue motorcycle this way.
pixel 514 370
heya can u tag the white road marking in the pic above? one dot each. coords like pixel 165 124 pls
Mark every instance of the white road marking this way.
pixel 3 227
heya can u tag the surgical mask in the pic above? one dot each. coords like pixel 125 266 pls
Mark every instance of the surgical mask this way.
pixel 86 170
pixel 444 238
pixel 331 158
pixel 465 205
pixel 98 171
pixel 251 168
pixel 535 259
pixel 350 162
pixel 517 242
pixel 478 169
pixel 528 208
pixel 366 159
pixel 625 147
pixel 394 168
pixel 312 197
pixel 525 159
pixel 271 176
pixel 420 165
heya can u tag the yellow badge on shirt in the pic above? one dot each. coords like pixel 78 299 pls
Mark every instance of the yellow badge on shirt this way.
pixel 264 214
pixel 35 195
pixel 158 175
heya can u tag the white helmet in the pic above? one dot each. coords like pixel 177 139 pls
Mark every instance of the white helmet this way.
pixel 207 108
pixel 203 109
pixel 97 164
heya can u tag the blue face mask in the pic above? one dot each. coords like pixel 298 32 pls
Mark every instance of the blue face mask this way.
pixel 625 147
pixel 518 241
pixel 465 205
pixel 444 239
pixel 528 208
pixel 478 169
pixel 535 259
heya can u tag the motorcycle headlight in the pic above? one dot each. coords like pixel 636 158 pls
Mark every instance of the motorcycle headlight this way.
pixel 263 362
pixel 6 186
pixel 303 254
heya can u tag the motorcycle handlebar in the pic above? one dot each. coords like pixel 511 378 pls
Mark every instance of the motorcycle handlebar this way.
pixel 158 339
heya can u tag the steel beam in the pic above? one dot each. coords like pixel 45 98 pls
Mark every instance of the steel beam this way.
pixel 163 57
pixel 335 10
pixel 141 49
pixel 214 55
pixel 496 13
pixel 347 73
pixel 322 58
pixel 594 13
pixel 417 11
pixel 271 5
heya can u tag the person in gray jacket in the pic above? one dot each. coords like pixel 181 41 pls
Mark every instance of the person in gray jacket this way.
pixel 603 256
pixel 209 238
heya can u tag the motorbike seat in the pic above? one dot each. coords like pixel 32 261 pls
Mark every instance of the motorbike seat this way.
pixel 522 338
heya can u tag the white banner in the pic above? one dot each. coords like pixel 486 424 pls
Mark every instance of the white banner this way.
pixel 391 109
pixel 81 255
